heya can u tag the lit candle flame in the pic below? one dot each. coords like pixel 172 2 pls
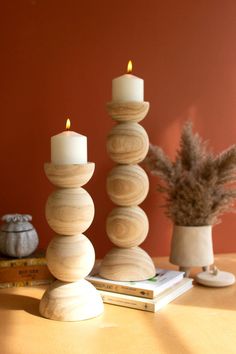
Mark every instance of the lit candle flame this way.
pixel 68 124
pixel 129 67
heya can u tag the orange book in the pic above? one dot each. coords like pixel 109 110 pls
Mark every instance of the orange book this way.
pixel 20 273
pixel 31 268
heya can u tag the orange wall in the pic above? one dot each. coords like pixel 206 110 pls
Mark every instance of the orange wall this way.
pixel 57 61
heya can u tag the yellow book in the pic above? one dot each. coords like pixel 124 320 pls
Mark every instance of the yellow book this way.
pixel 17 270
pixel 25 283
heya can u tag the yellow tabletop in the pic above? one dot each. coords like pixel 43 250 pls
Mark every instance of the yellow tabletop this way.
pixel 201 321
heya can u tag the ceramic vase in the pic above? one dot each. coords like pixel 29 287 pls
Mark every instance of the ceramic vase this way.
pixel 191 246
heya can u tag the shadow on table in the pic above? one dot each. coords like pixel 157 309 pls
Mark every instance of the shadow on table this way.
pixel 222 298
pixel 20 302
pixel 209 297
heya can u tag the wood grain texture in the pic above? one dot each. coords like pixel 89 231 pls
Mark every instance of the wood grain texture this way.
pixel 127 226
pixel 70 258
pixel 69 176
pixel 127 143
pixel 202 321
pixel 69 211
pixel 127 264
pixel 71 301
pixel 127 185
pixel 128 111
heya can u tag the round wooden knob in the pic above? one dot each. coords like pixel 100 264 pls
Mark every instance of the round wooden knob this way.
pixel 127 264
pixel 127 226
pixel 69 211
pixel 70 258
pixel 69 176
pixel 127 143
pixel 128 111
pixel 127 185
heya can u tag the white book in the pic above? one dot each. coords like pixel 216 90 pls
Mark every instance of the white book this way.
pixel 150 288
pixel 151 305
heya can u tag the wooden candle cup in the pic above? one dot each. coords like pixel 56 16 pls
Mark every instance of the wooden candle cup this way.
pixel 76 301
pixel 128 111
pixel 69 176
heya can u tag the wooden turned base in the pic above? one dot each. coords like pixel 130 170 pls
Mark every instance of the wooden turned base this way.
pixel 127 264
pixel 71 301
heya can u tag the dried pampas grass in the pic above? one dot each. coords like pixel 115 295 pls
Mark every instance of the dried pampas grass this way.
pixel 198 185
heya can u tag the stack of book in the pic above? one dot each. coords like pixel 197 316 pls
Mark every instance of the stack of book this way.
pixel 28 271
pixel 149 295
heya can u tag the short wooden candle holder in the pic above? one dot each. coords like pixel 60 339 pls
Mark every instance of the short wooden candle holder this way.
pixel 70 255
pixel 127 186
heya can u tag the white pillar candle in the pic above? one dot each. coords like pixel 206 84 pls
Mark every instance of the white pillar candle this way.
pixel 68 147
pixel 128 87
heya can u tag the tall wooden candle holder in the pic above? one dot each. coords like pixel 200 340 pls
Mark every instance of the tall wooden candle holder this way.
pixel 127 186
pixel 70 255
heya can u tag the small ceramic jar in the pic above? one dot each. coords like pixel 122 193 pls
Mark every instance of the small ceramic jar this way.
pixel 18 237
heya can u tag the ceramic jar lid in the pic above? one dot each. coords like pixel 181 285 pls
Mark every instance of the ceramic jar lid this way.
pixel 16 223
pixel 215 278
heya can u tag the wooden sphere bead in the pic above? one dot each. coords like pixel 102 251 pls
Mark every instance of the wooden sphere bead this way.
pixel 128 111
pixel 69 176
pixel 127 264
pixel 71 301
pixel 69 211
pixel 127 143
pixel 70 258
pixel 127 185
pixel 127 226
